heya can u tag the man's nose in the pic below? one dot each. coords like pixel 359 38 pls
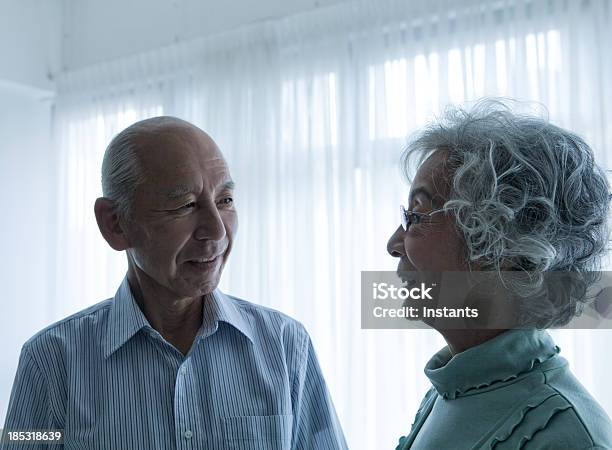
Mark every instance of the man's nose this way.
pixel 395 246
pixel 210 225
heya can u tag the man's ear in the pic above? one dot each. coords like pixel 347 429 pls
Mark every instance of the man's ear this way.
pixel 109 225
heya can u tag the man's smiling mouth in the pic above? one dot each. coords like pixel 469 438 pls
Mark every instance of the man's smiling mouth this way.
pixel 204 262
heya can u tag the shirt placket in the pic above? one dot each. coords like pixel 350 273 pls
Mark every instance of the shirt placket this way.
pixel 184 423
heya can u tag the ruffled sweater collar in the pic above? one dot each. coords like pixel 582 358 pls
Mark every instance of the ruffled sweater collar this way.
pixel 502 358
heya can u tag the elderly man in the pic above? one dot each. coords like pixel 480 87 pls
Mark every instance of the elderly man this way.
pixel 171 362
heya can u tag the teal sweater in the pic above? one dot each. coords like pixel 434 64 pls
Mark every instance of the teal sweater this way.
pixel 512 392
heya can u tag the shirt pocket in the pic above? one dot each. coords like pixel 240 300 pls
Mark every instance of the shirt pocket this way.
pixel 258 432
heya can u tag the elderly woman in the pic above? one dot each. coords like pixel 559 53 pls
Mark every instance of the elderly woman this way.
pixel 499 191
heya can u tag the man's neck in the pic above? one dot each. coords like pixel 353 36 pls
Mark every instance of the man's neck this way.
pixel 176 319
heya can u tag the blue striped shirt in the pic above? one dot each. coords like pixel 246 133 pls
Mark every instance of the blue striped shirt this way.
pixel 104 376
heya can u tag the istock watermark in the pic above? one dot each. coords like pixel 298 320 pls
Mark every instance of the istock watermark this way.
pixel 486 300
pixel 384 291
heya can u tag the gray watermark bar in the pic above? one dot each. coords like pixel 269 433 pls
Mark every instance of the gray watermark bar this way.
pixel 486 300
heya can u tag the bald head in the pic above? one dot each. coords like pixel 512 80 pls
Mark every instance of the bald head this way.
pixel 168 202
pixel 133 149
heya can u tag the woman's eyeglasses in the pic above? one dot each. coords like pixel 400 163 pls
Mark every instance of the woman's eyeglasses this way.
pixel 412 217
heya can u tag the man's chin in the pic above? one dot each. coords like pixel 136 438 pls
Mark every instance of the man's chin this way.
pixel 201 281
pixel 206 287
pixel 193 286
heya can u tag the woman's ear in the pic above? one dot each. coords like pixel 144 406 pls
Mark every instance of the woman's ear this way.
pixel 109 224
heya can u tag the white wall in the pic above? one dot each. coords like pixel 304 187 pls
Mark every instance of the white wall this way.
pixel 30 41
pixel 96 31
pixel 30 45
pixel 26 190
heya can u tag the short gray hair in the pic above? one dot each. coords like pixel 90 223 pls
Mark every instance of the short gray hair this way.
pixel 121 168
pixel 526 195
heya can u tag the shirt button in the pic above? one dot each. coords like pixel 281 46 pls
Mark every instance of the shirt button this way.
pixel 188 434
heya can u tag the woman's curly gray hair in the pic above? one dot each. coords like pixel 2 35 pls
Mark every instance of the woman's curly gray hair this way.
pixel 526 196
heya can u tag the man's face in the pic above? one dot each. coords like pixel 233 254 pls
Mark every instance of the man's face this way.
pixel 183 217
pixel 434 244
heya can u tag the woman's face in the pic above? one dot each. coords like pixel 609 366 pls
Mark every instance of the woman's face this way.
pixel 433 245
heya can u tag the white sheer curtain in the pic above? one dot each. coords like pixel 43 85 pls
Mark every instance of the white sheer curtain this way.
pixel 312 113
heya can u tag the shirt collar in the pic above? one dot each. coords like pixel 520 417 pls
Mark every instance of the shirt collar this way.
pixel 126 318
pixel 221 308
pixel 500 359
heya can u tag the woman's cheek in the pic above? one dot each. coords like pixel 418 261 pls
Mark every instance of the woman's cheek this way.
pixel 417 252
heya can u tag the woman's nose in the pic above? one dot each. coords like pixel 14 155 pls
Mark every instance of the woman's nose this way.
pixel 395 246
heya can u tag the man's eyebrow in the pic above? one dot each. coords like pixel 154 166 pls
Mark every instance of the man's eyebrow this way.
pixel 178 191
pixel 182 190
